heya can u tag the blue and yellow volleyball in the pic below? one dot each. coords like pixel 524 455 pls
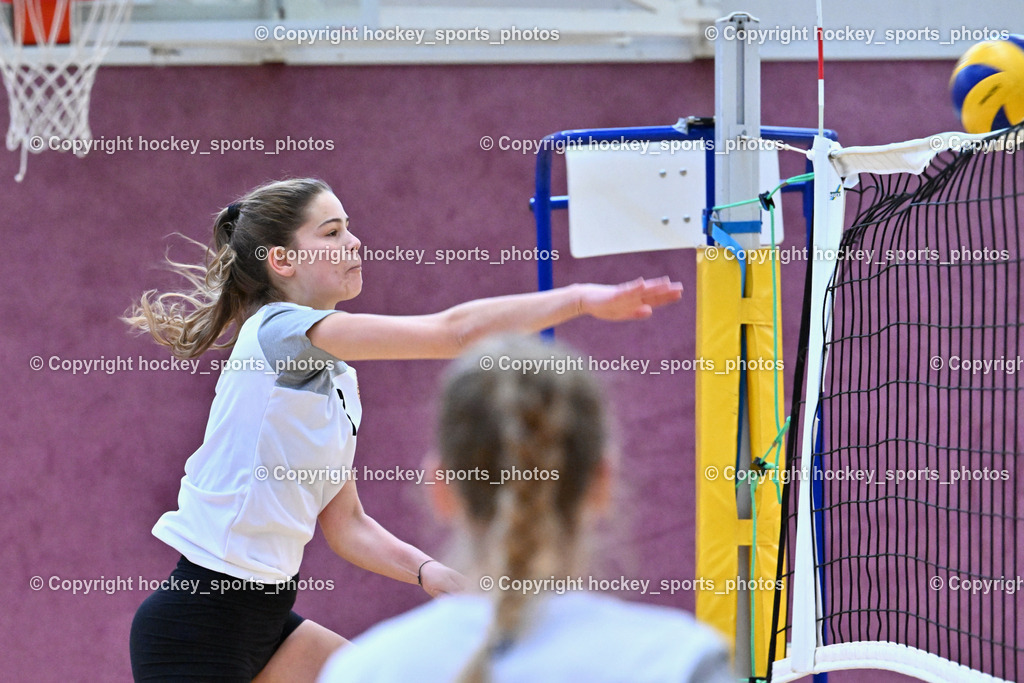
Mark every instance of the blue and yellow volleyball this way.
pixel 988 85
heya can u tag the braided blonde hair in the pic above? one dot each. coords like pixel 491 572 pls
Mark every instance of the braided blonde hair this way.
pixel 233 282
pixel 495 420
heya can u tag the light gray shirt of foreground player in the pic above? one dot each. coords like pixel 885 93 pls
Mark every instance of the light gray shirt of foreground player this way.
pixel 577 636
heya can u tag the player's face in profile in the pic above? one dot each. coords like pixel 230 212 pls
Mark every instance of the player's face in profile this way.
pixel 328 268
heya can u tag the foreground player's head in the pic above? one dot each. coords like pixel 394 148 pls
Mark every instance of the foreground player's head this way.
pixel 279 242
pixel 541 433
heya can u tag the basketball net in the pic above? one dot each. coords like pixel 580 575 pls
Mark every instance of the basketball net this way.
pixel 49 53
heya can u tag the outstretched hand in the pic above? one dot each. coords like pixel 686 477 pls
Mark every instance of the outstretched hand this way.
pixel 630 300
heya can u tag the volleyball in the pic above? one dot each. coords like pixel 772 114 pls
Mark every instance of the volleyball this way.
pixel 988 85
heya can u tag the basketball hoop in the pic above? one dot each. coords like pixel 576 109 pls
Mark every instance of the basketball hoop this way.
pixel 49 53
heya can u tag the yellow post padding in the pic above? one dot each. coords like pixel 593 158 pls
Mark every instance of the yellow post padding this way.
pixel 717 415
pixel 764 427
pixel 722 312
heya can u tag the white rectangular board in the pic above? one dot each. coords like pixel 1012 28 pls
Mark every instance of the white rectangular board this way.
pixel 623 201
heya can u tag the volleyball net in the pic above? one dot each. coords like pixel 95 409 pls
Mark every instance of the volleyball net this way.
pixel 904 516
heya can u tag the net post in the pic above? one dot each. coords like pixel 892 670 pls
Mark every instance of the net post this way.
pixel 737 115
pixel 723 436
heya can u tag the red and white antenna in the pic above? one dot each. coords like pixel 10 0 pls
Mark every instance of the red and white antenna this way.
pixel 821 72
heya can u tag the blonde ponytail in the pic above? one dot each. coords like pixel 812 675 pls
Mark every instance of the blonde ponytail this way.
pixel 498 420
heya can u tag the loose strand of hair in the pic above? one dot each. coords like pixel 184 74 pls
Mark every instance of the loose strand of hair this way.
pixel 191 322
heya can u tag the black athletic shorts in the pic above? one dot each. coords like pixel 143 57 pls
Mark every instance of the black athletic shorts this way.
pixel 202 625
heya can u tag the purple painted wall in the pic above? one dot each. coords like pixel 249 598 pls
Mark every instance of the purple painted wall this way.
pixel 91 461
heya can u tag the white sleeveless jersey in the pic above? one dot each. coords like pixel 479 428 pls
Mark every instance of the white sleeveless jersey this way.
pixel 278 447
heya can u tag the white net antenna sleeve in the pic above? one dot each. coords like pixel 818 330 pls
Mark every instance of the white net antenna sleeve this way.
pixel 912 156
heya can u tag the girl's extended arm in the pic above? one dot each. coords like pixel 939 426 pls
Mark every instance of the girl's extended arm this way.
pixel 446 334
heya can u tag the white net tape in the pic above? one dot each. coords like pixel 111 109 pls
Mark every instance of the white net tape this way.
pixel 48 84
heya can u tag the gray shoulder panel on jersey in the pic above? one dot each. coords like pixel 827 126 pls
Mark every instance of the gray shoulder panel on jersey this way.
pixel 299 364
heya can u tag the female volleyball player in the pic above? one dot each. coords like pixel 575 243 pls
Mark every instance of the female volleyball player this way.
pixel 285 415
pixel 527 534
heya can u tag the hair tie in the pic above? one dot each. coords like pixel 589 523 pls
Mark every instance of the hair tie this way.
pixel 419 572
pixel 232 216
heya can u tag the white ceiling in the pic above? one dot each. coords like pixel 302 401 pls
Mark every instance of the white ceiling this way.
pixel 929 27
pixel 414 31
pixel 482 31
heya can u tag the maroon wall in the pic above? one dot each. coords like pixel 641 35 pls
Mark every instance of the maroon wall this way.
pixel 90 462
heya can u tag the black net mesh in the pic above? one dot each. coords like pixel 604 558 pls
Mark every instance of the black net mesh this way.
pixel 919 504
